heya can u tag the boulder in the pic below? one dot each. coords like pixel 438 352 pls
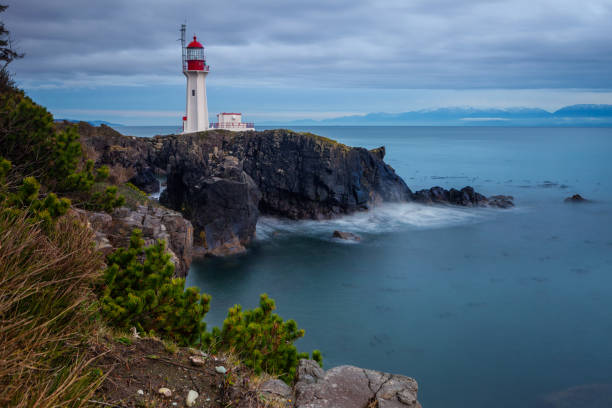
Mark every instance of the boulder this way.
pixel 349 236
pixel 349 387
pixel 309 372
pixel 276 389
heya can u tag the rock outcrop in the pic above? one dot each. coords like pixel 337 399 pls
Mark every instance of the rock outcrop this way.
pixel 114 231
pixel 302 175
pixel 210 187
pixel 222 181
pixel 351 387
pixel 465 197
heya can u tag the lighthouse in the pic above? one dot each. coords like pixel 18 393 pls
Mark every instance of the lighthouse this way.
pixel 196 70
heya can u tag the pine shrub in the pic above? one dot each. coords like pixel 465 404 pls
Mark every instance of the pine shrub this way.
pixel 26 200
pixel 106 200
pixel 262 339
pixel 139 290
pixel 29 139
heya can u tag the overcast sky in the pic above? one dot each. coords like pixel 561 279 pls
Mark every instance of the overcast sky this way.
pixel 280 60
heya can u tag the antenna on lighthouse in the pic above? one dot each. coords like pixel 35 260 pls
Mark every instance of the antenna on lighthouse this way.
pixel 183 51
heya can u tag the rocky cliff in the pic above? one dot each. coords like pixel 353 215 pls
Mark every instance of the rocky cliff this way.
pixel 302 175
pixel 222 181
pixel 114 230
pixel 206 181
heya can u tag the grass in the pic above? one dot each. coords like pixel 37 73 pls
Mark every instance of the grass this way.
pixel 170 347
pixel 47 313
pixel 133 195
pixel 125 340
pixel 325 140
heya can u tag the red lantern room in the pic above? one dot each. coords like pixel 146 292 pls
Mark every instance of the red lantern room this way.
pixel 195 56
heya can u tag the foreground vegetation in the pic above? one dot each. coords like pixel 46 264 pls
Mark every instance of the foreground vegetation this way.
pixel 57 293
pixel 47 312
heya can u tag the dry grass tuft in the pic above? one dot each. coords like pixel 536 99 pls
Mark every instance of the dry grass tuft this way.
pixel 119 174
pixel 46 313
pixel 90 152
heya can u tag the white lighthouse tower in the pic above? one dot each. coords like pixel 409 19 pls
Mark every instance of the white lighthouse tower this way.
pixel 196 70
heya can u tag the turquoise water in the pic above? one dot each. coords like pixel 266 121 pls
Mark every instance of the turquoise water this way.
pixel 485 308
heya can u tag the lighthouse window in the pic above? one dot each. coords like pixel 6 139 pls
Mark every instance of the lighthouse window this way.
pixel 193 92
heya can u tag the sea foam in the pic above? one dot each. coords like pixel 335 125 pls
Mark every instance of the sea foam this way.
pixel 381 219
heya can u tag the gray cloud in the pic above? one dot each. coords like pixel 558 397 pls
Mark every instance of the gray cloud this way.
pixel 440 44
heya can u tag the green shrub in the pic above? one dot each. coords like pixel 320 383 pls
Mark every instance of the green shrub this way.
pixel 105 200
pixel 139 291
pixel 262 340
pixel 26 200
pixel 28 137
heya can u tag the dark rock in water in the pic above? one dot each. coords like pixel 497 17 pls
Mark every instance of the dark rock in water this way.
pixel 465 197
pixel 548 184
pixel 349 236
pixel 501 201
pixel 582 396
pixel 350 387
pixel 576 198
pixel 146 181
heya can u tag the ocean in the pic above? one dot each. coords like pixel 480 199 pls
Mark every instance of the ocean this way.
pixel 483 307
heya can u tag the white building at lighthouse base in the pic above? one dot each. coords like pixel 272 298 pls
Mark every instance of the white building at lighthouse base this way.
pixel 231 121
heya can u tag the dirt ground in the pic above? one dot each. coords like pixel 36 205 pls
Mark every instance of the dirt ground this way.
pixel 148 365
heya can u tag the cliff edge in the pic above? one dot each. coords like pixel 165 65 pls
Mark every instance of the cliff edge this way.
pixel 222 181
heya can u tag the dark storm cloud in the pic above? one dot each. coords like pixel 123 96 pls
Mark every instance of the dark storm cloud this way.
pixel 358 43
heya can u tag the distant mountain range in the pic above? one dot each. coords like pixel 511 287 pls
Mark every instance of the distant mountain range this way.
pixel 574 115
pixel 91 122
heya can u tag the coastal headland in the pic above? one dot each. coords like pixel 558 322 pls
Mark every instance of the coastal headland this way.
pixel 222 181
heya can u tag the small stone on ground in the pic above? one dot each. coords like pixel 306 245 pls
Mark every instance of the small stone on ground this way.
pixel 196 361
pixel 191 398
